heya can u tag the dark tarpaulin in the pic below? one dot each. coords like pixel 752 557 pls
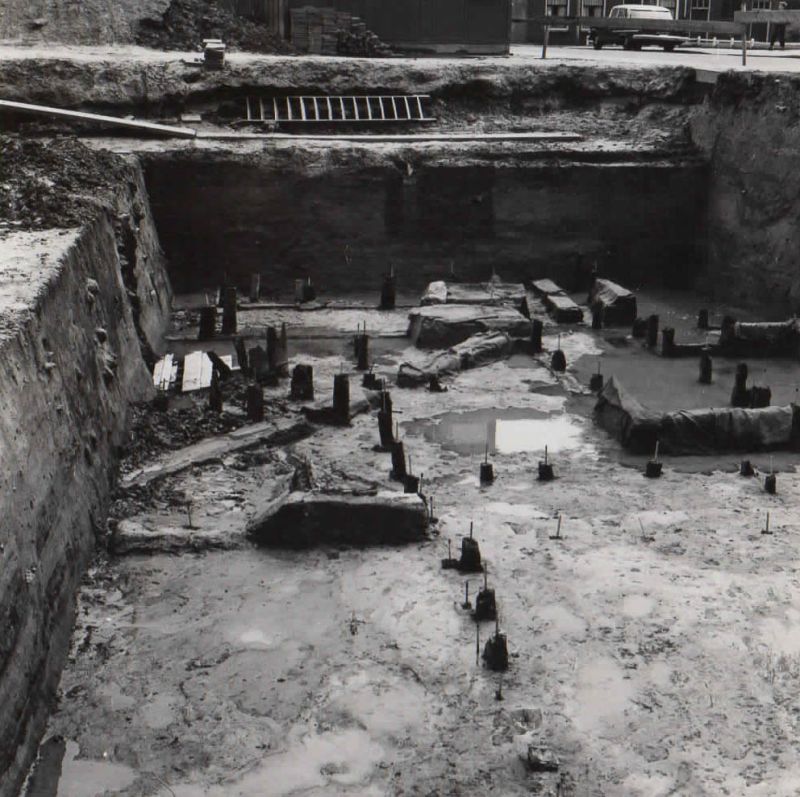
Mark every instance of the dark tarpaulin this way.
pixel 704 431
pixel 622 416
pixel 618 304
pixel 762 338
pixel 711 430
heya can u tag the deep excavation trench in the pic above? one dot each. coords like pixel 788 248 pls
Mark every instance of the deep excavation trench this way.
pixel 654 197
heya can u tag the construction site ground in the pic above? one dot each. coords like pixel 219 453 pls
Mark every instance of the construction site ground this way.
pixel 650 647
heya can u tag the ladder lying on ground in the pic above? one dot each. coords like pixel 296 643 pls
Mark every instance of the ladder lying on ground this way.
pixel 353 109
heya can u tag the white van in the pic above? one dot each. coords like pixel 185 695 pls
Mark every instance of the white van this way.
pixel 632 39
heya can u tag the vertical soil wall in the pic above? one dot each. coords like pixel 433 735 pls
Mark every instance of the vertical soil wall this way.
pixel 748 128
pixel 344 225
pixel 72 358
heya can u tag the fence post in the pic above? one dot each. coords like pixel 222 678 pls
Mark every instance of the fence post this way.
pixel 744 45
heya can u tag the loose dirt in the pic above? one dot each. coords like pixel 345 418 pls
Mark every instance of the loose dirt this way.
pixel 54 184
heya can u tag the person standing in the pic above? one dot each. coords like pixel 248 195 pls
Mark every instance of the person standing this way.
pixel 778 29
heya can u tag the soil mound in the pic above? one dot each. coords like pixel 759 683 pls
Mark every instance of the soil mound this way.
pixel 186 23
pixel 60 183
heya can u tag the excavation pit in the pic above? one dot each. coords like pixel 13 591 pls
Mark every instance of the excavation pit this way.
pixel 341 668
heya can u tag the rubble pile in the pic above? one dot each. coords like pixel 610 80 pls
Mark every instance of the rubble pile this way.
pixel 186 23
pixel 153 431
pixel 51 184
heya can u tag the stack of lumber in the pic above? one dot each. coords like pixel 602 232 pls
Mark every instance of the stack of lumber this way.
pixel 325 31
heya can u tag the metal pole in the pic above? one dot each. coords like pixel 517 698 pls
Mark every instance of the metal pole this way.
pixel 544 43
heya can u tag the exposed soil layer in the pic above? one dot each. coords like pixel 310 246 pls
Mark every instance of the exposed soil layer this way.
pixel 145 85
pixel 343 214
pixel 81 310
pixel 748 129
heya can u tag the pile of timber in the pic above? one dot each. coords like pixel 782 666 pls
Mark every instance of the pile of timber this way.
pixel 326 31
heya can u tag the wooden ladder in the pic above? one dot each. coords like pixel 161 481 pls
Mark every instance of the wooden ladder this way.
pixel 366 109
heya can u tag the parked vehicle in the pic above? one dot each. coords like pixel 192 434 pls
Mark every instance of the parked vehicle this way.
pixel 632 39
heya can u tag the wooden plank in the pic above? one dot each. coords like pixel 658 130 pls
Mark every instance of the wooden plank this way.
pixel 131 124
pixel 197 370
pixel 376 138
pixel 546 287
pixel 193 370
pixel 165 372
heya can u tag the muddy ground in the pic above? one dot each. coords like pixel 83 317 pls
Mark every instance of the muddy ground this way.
pixel 651 648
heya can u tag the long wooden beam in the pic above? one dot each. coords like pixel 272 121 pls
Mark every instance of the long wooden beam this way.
pixel 82 116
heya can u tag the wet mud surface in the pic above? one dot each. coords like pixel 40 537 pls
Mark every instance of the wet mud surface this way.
pixel 652 647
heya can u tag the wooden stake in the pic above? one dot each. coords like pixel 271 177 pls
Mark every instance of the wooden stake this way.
pixel 470 529
pixel 477 644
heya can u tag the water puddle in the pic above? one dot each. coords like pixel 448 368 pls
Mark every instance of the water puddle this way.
pixel 60 773
pixel 504 431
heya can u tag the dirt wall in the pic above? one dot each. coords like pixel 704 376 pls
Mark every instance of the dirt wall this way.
pixel 343 225
pixel 78 308
pixel 748 129
pixel 143 86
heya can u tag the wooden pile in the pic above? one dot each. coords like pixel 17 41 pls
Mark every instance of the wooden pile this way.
pixel 325 31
